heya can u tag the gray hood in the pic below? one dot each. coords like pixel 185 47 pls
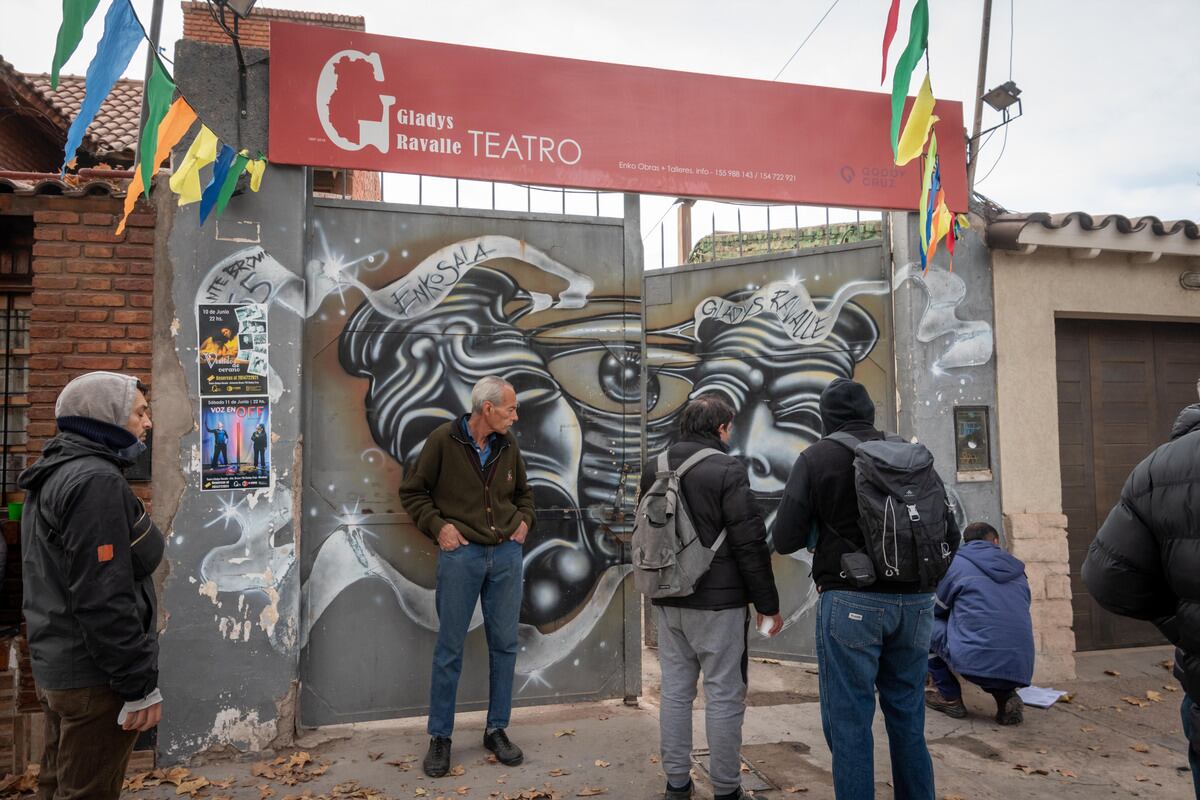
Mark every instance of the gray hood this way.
pixel 102 396
pixel 1188 421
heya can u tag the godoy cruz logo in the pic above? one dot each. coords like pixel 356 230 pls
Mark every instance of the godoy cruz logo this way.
pixel 372 132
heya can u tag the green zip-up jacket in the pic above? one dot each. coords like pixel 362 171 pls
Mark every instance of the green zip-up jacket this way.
pixel 486 503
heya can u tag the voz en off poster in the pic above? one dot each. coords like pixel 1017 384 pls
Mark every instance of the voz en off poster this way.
pixel 234 408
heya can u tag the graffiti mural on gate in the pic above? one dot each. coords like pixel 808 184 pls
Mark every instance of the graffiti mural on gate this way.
pixel 408 334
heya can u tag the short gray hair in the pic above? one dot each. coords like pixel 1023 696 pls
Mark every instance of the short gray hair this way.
pixel 488 389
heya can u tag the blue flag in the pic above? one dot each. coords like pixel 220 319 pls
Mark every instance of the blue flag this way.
pixel 122 35
pixel 212 190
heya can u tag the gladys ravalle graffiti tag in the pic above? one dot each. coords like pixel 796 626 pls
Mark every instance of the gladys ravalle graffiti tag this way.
pixel 771 368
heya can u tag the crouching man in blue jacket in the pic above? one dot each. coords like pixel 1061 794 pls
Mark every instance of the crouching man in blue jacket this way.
pixel 981 628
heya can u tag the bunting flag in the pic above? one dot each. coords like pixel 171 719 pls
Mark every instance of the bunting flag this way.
pixel 889 31
pixel 186 180
pixel 159 91
pixel 961 223
pixel 208 198
pixel 916 129
pixel 230 182
pixel 76 14
pixel 935 186
pixel 918 40
pixel 172 128
pixel 122 35
pixel 256 169
pixel 923 206
pixel 941 221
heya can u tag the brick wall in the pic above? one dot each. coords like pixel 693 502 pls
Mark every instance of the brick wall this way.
pixel 255 31
pixel 1040 540
pixel 92 301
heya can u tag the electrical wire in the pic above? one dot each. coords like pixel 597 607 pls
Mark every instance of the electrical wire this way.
pixel 996 163
pixel 806 38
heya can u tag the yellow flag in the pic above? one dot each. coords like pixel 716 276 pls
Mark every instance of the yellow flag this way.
pixel 174 125
pixel 256 169
pixel 186 180
pixel 916 128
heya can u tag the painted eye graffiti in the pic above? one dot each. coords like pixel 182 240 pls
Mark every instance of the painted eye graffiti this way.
pixel 620 378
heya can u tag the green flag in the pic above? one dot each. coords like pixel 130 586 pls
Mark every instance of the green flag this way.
pixel 231 179
pixel 918 40
pixel 76 14
pixel 159 92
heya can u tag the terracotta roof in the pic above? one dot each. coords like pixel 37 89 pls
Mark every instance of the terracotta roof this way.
pixel 49 184
pixel 1015 230
pixel 332 20
pixel 115 128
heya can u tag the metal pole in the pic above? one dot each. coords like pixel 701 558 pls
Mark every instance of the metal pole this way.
pixel 151 54
pixel 768 229
pixel 739 231
pixel 973 161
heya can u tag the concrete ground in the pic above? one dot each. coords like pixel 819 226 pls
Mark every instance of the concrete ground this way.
pixel 1098 745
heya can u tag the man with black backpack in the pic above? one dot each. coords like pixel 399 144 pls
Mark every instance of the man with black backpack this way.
pixel 876 515
pixel 706 629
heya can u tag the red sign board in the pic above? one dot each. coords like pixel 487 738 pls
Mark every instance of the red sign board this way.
pixel 360 101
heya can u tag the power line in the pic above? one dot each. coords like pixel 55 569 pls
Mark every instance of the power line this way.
pixel 806 38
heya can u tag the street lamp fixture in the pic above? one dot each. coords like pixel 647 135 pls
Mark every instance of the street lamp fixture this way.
pixel 1003 96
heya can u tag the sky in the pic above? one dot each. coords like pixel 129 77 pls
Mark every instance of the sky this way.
pixel 1110 89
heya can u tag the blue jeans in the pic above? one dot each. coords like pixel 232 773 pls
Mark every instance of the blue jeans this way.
pixel 1193 760
pixel 868 641
pixel 492 576
pixel 949 687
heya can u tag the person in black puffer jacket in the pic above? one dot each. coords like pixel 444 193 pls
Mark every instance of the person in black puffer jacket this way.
pixel 1145 560
pixel 89 551
pixel 707 630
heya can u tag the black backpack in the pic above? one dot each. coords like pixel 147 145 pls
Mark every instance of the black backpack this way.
pixel 903 509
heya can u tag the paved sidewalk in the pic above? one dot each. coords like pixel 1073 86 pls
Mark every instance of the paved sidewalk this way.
pixel 1097 746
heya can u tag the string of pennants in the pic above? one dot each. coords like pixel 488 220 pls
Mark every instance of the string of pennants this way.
pixel 168 117
pixel 935 220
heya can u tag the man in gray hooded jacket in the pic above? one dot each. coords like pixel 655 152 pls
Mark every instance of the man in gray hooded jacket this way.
pixel 89 550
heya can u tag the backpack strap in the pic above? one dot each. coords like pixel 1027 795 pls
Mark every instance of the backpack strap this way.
pixel 851 443
pixel 663 464
pixel 696 458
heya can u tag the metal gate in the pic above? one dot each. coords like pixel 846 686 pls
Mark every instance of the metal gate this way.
pixel 408 307
pixel 769 333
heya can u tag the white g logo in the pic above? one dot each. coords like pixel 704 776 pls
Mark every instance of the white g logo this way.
pixel 370 132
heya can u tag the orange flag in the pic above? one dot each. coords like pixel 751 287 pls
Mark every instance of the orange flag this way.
pixel 175 124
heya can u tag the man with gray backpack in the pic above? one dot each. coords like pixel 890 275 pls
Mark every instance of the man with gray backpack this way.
pixel 700 553
pixel 876 515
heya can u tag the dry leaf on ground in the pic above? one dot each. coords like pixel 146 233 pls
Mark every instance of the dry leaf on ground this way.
pixel 374 756
pixel 1140 748
pixel 1086 728
pixel 1066 773
pixel 799 789
pixel 1153 695
pixel 458 770
pixel 1168 665
pixel 558 772
pixel 1171 688
pixel 191 787
pixel 591 791
pixel 767 660
pixel 601 763
pixel 1112 672
pixel 565 732
pixel 1135 701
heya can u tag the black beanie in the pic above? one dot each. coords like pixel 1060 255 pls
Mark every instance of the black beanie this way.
pixel 845 401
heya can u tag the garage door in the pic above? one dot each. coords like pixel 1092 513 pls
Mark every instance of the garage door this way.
pixel 1120 386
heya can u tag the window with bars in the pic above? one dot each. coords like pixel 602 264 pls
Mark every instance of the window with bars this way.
pixel 16 276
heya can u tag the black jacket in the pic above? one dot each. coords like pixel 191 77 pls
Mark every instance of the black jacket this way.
pixel 717 493
pixel 88 550
pixel 1145 561
pixel 820 493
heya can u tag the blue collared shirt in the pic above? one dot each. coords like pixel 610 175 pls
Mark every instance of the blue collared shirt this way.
pixel 487 448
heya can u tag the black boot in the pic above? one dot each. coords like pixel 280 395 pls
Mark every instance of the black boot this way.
pixel 506 752
pixel 437 760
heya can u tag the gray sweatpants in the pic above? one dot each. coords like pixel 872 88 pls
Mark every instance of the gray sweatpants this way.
pixel 691 641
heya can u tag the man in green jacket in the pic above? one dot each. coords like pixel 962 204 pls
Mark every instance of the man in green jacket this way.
pixel 468 493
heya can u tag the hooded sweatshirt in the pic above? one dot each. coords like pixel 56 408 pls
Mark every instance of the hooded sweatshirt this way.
pixel 981 625
pixel 89 549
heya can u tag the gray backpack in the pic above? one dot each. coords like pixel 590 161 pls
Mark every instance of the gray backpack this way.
pixel 668 556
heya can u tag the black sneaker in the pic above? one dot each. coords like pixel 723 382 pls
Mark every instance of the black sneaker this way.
pixel 684 793
pixel 506 752
pixel 1010 710
pixel 951 708
pixel 736 794
pixel 437 760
